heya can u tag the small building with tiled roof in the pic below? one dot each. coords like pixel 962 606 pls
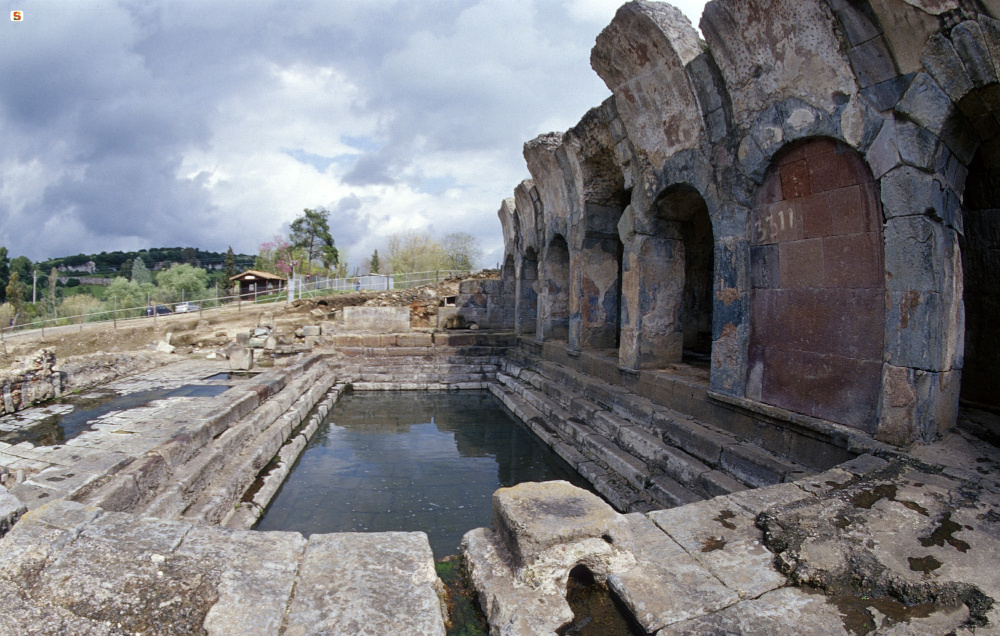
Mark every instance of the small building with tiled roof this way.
pixel 255 283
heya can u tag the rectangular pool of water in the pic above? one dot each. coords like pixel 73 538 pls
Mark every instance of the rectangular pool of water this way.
pixel 407 460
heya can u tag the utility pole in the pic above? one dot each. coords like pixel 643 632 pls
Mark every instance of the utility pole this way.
pixel 34 279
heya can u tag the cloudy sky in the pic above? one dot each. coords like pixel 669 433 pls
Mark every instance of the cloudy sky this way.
pixel 146 123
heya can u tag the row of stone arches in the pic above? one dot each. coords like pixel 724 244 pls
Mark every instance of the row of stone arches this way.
pixel 835 247
pixel 817 306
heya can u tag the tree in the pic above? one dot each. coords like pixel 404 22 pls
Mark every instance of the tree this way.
pixel 140 275
pixel 414 252
pixel 230 264
pixel 126 292
pixel 53 279
pixel 463 251
pixel 274 256
pixel 373 263
pixel 311 231
pixel 23 266
pixel 4 273
pixel 126 268
pixel 15 293
pixel 183 280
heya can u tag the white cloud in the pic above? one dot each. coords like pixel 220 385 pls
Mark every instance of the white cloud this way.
pixel 144 124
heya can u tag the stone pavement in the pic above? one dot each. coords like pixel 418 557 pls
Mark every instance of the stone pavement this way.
pixel 43 473
pixel 67 568
pixel 901 546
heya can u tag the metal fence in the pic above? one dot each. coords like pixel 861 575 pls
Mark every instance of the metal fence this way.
pixel 301 287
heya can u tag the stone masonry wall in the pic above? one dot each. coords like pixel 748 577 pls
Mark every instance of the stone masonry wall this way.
pixel 869 322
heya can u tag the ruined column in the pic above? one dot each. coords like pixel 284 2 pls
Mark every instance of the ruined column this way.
pixel 652 292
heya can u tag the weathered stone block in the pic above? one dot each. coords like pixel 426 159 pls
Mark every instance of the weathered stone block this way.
pixel 532 518
pixel 240 358
pixel 377 319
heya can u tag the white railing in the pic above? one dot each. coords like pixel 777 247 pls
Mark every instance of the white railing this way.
pixel 303 287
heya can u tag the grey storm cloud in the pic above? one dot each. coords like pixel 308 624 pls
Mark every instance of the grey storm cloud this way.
pixel 143 123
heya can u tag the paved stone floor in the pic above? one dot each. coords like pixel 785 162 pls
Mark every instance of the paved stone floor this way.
pixel 67 568
pixel 113 439
pixel 907 545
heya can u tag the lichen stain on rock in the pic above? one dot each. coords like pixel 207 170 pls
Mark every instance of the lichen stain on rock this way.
pixel 909 302
pixel 925 564
pixel 914 506
pixel 868 497
pixel 724 517
pixel 944 533
pixel 712 544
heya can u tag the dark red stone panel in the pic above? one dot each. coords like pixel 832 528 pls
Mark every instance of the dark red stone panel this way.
pixel 831 387
pixel 846 211
pixel 852 261
pixel 795 180
pixel 816 213
pixel 819 332
pixel 801 264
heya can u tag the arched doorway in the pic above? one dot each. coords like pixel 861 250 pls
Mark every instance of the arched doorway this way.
pixel 817 277
pixel 526 304
pixel 980 248
pixel 668 280
pixel 553 310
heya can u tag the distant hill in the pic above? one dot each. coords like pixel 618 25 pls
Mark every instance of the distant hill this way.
pixel 110 263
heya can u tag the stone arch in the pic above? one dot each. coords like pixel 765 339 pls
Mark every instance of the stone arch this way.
pixel 817 285
pixel 945 115
pixel 668 281
pixel 553 292
pixel 599 199
pixel 526 294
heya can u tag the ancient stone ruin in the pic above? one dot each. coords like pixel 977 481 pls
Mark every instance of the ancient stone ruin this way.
pixel 805 195
pixel 747 298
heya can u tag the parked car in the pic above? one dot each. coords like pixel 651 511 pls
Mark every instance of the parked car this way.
pixel 158 309
pixel 183 308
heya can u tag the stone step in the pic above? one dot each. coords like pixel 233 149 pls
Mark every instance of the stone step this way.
pixel 230 462
pixel 219 494
pixel 699 457
pixel 618 476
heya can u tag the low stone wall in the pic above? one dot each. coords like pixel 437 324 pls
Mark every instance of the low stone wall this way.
pixel 377 319
pixel 41 379
pixel 81 372
pixel 420 361
pixel 37 382
pixel 480 301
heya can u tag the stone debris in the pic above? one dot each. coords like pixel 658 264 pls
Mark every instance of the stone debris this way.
pixel 164 346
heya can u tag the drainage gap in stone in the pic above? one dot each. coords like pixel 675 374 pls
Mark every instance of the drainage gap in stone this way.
pixel 595 611
pixel 464 616
pixel 408 460
pixel 66 425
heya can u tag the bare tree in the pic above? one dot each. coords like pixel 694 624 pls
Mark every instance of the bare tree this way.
pixel 462 250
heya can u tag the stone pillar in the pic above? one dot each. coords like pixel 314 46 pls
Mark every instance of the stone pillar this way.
pixel 924 330
pixel 652 291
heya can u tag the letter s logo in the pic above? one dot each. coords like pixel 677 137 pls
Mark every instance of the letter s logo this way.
pixel 16 16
